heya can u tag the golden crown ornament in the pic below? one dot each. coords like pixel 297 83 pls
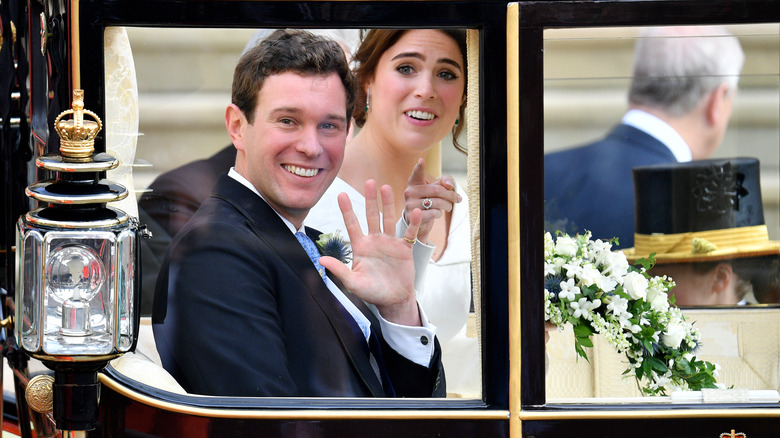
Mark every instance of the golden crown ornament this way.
pixel 77 135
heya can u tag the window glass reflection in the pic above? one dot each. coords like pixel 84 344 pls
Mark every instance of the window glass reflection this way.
pixel 588 75
pixel 184 78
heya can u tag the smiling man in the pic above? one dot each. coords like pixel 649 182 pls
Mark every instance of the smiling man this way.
pixel 244 305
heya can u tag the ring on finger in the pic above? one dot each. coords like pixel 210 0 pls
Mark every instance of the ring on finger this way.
pixel 427 203
pixel 410 241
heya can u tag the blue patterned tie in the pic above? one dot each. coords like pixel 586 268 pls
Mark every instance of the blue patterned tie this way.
pixel 311 250
pixel 374 350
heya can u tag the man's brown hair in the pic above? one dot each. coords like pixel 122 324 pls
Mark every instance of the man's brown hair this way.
pixel 289 50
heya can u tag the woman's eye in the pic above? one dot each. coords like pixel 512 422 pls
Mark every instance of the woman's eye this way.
pixel 405 69
pixel 448 75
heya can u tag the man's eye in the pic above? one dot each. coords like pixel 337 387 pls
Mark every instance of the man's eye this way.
pixel 332 127
pixel 287 121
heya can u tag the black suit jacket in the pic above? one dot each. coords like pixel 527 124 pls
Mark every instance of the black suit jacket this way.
pixel 591 187
pixel 240 310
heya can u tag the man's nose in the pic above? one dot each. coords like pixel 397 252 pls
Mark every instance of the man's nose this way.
pixel 309 143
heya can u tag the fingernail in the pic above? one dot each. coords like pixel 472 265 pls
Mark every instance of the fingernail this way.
pixel 459 198
pixel 448 182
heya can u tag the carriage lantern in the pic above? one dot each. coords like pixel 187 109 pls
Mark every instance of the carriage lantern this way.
pixel 77 294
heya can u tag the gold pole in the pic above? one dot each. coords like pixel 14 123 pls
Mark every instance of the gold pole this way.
pixel 433 161
pixel 513 219
pixel 75 48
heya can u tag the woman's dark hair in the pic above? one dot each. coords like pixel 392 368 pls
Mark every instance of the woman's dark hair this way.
pixel 374 45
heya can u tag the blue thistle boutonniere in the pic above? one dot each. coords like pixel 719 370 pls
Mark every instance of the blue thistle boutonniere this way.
pixel 333 245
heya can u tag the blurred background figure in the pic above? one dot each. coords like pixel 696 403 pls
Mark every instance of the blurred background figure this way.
pixel 704 220
pixel 683 86
pixel 411 96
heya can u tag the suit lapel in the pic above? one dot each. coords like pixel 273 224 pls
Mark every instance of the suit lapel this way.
pixel 270 228
pixel 367 372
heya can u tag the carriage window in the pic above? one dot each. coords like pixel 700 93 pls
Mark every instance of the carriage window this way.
pixel 183 78
pixel 666 139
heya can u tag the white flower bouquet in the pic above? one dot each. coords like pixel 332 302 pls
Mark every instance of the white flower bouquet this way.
pixel 595 290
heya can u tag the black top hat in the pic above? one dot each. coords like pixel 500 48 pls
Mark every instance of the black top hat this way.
pixel 699 211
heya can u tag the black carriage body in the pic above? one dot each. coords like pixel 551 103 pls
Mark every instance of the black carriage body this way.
pixel 511 193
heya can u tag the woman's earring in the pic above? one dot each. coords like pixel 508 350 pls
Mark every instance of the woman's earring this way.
pixel 457 121
pixel 368 99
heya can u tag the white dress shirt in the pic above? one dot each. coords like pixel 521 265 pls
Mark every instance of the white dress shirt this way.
pixel 653 126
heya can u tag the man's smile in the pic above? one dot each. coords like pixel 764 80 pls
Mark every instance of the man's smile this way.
pixel 301 171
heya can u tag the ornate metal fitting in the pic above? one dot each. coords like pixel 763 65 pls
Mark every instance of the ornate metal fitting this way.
pixel 719 189
pixel 77 136
pixel 7 322
pixel 44 33
pixel 39 394
pixel 733 435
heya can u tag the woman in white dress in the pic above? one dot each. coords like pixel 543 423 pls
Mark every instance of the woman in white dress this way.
pixel 413 85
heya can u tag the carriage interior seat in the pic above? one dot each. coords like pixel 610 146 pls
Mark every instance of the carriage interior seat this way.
pixel 743 341
pixel 144 364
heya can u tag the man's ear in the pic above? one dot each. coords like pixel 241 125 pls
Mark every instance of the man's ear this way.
pixel 723 278
pixel 235 122
pixel 717 99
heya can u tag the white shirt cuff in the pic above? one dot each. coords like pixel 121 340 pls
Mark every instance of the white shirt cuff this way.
pixel 413 343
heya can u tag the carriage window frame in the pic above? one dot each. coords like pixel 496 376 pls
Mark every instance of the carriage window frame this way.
pixel 92 17
pixel 533 18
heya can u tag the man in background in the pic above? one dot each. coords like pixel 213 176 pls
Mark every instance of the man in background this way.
pixel 680 102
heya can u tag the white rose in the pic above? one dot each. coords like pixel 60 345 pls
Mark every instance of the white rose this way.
pixel 617 264
pixel 590 275
pixel 566 246
pixel 658 299
pixel 673 335
pixel 635 284
pixel 558 262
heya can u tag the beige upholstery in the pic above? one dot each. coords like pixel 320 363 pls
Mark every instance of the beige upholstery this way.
pixel 743 341
pixel 144 365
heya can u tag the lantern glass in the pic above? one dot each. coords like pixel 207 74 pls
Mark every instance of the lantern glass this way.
pixel 125 281
pixel 79 296
pixel 28 268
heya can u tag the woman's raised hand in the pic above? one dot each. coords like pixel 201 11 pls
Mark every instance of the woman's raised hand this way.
pixel 432 198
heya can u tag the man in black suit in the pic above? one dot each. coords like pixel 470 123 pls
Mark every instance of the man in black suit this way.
pixel 680 103
pixel 174 196
pixel 240 308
